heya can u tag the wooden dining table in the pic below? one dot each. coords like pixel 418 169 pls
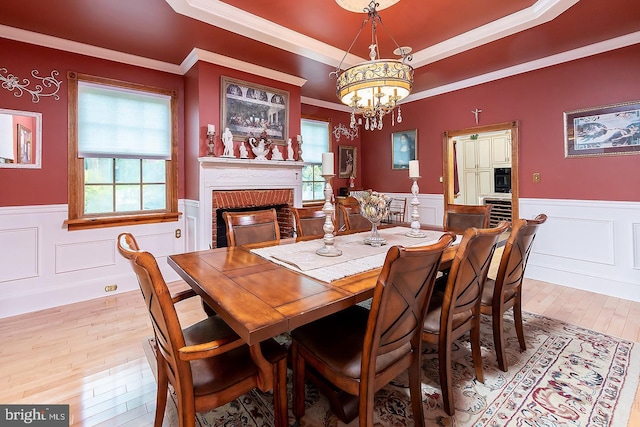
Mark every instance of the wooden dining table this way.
pixel 260 299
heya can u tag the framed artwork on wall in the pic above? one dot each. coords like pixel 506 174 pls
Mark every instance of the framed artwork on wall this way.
pixel 603 131
pixel 347 157
pixel 248 110
pixel 404 147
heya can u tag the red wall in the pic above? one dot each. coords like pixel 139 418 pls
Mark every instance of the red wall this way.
pixel 48 185
pixel 537 100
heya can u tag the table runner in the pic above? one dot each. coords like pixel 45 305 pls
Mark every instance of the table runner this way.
pixel 357 257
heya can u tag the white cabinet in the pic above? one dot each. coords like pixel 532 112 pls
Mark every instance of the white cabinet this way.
pixel 501 151
pixel 477 172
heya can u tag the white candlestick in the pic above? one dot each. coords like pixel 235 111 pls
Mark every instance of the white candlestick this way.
pixel 327 163
pixel 414 169
pixel 211 128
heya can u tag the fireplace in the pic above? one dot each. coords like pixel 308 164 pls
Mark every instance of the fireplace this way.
pixel 228 183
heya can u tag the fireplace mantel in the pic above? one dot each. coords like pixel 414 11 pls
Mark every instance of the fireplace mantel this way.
pixel 225 173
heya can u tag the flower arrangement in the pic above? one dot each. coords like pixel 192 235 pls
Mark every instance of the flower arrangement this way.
pixel 373 205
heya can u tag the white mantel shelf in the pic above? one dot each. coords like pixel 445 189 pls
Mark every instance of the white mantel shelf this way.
pixel 228 173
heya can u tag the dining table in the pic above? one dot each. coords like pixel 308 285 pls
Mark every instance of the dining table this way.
pixel 268 289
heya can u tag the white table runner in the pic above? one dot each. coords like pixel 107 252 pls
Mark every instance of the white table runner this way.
pixel 357 257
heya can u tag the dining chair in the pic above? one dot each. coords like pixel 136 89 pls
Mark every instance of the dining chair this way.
pixel 358 350
pixel 353 219
pixel 397 210
pixel 251 227
pixel 310 221
pixel 505 291
pixel 456 309
pixel 207 364
pixel 458 218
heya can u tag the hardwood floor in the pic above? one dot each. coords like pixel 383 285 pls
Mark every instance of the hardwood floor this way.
pixel 89 355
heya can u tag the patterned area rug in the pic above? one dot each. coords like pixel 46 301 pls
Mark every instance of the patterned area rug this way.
pixel 569 376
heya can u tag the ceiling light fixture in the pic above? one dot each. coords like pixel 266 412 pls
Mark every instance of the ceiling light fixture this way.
pixel 374 88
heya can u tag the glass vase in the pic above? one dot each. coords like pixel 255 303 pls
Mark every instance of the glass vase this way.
pixel 374 238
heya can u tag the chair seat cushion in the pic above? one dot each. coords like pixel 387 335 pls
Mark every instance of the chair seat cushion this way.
pixel 217 373
pixel 432 321
pixel 487 292
pixel 336 341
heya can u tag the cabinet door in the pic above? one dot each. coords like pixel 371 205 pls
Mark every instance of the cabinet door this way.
pixel 470 189
pixel 483 153
pixel 501 151
pixel 485 183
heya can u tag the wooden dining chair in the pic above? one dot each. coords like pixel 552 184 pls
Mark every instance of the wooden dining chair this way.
pixel 207 364
pixel 251 227
pixel 358 350
pixel 505 291
pixel 353 219
pixel 456 310
pixel 458 218
pixel 310 221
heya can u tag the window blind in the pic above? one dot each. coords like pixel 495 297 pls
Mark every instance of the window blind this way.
pixel 315 140
pixel 122 123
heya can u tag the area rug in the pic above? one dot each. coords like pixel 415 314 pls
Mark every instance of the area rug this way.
pixel 568 376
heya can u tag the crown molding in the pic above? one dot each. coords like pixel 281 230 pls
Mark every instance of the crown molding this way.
pixel 213 58
pixel 85 49
pixel 223 15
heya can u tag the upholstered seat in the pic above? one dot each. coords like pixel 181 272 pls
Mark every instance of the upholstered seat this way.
pixel 207 363
pixel 359 351
pixel 505 291
pixel 456 309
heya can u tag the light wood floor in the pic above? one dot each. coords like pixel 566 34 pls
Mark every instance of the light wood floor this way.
pixel 89 355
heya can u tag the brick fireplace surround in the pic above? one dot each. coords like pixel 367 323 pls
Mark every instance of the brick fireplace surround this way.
pixel 226 183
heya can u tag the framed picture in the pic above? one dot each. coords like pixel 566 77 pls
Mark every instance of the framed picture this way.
pixel 347 157
pixel 24 144
pixel 249 110
pixel 404 147
pixel 603 131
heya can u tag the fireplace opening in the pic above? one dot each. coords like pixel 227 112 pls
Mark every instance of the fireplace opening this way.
pixel 221 234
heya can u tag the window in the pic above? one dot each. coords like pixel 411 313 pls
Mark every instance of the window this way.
pixel 315 139
pixel 122 149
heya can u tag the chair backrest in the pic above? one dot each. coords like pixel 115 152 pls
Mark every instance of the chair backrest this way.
pixel 400 300
pixel 251 227
pixel 516 254
pixel 309 221
pixel 397 210
pixel 469 271
pixel 353 219
pixel 458 218
pixel 164 319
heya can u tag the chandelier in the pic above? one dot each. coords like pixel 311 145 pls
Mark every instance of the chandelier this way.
pixel 374 88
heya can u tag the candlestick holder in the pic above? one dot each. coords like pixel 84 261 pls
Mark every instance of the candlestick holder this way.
pixel 329 239
pixel 415 216
pixel 211 137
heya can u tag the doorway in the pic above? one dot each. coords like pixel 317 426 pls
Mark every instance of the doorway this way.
pixel 479 180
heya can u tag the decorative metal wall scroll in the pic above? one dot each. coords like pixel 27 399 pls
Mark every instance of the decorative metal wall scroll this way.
pixel 341 129
pixel 48 86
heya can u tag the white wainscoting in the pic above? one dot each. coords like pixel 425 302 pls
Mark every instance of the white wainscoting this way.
pixel 43 265
pixel 591 245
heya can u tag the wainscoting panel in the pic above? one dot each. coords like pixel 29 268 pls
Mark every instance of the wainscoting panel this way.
pixel 49 266
pixel 636 245
pixel 19 258
pixel 590 245
pixel 85 255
